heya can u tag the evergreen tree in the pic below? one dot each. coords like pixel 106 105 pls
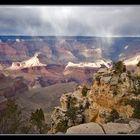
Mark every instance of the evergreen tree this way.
pixel 84 90
pixel 119 67
pixel 138 65
pixel 37 119
pixel 113 116
pixel 11 118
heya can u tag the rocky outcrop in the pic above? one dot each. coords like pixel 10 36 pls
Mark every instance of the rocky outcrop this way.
pixel 71 113
pixel 105 101
pixel 19 85
pixel 34 61
pixel 109 91
pixel 10 87
pixel 3 102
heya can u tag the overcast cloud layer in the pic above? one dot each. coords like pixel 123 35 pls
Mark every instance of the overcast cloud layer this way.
pixel 70 20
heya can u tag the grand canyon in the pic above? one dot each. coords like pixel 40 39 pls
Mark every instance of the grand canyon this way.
pixel 37 71
pixel 67 70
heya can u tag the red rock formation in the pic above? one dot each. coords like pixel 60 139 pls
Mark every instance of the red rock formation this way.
pixel 9 87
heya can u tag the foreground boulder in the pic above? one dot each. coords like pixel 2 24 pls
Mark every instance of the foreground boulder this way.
pixel 108 128
pixel 88 128
pixel 117 128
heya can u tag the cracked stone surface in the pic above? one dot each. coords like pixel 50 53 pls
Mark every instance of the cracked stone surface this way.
pixel 117 128
pixel 87 128
pixel 95 128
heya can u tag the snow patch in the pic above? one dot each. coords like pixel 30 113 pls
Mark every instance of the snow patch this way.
pixel 120 54
pixel 126 47
pixel 132 61
pixel 17 40
pixel 98 50
pixel 32 62
pixel 96 64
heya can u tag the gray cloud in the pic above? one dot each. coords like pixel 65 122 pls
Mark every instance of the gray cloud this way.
pixel 70 20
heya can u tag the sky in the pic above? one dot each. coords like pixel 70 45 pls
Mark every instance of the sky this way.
pixel 70 20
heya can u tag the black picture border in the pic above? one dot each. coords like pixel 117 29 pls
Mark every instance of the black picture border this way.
pixel 69 2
